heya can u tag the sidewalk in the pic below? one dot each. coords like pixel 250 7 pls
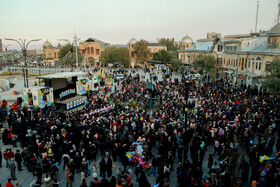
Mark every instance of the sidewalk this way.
pixel 18 86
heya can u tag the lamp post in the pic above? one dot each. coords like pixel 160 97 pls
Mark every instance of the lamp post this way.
pixel 23 44
pixel 5 50
pixel 72 44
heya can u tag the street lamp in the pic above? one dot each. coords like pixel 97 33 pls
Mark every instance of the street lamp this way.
pixel 72 44
pixel 24 46
pixel 6 50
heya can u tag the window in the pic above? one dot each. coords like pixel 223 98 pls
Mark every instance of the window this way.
pixel 132 54
pixel 268 67
pixel 92 50
pixel 97 51
pixel 235 48
pixel 132 45
pixel 88 51
pixel 259 63
pixel 220 48
pixel 249 63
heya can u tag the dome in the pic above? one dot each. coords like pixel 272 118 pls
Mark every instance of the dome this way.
pixel 47 44
pixel 186 39
pixel 275 29
pixel 132 41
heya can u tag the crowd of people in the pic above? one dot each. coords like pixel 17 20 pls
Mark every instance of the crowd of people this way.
pixel 241 124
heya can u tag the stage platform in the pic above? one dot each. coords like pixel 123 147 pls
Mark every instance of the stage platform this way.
pixel 72 102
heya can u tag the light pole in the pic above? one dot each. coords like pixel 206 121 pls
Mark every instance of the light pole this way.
pixel 72 44
pixel 23 44
pixel 6 50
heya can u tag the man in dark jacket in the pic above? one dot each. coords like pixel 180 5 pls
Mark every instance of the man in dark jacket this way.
pixel 39 172
pixel 18 159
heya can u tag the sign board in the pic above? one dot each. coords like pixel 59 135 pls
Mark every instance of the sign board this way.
pixel 76 103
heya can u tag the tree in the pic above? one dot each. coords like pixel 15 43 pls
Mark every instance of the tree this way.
pixel 272 80
pixel 170 44
pixel 163 55
pixel 115 55
pixel 69 48
pixel 142 52
pixel 206 64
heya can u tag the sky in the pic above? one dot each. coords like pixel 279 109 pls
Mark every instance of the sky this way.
pixel 117 21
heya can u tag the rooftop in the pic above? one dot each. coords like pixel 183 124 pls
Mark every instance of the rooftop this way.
pixel 199 47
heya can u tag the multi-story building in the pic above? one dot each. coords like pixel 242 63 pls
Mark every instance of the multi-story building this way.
pixel 246 57
pixel 250 59
pixel 93 48
pixel 50 53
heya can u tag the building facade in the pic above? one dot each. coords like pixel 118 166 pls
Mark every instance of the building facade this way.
pixel 247 57
pixel 91 49
pixel 50 53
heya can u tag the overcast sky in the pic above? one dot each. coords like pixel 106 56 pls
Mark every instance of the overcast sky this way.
pixel 117 21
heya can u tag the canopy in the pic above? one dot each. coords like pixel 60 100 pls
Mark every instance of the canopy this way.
pixel 62 75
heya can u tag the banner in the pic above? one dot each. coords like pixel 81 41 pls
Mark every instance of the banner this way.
pixel 76 103
pixel 82 86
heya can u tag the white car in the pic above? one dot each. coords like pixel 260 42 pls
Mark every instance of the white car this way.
pixel 193 76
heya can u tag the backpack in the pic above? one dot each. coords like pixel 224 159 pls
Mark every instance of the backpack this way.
pixel 5 155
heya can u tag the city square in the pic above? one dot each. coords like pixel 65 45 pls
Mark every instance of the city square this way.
pixel 148 105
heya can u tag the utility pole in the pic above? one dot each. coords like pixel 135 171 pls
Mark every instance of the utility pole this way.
pixel 257 15
pixel 77 63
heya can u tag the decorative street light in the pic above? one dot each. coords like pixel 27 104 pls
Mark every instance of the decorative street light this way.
pixel 24 46
pixel 6 50
pixel 72 44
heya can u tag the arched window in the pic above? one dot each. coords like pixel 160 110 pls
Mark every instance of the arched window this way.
pixel 132 54
pixel 92 50
pixel 88 51
pixel 259 63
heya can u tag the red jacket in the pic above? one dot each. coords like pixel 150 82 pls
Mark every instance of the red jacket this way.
pixel 9 184
pixel 10 154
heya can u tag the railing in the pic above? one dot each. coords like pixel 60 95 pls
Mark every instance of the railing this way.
pixel 39 70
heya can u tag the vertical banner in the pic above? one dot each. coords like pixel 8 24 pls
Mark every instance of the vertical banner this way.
pixel 81 86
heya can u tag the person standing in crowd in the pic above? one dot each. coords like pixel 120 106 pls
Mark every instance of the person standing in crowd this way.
pixel 12 167
pixel 48 181
pixel 18 159
pixel 68 176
